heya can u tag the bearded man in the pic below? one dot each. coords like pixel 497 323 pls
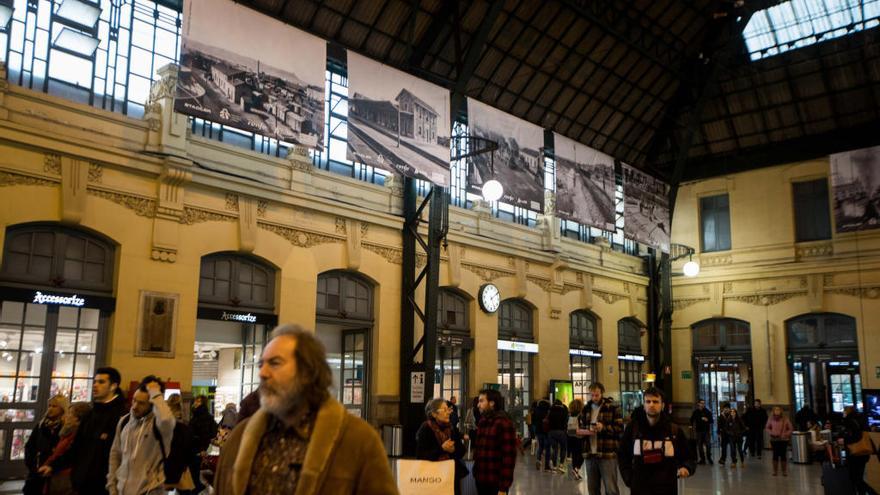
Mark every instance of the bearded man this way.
pixel 301 441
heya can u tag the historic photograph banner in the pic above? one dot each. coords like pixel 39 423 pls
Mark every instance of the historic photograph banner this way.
pixel 397 122
pixel 855 178
pixel 236 69
pixel 518 161
pixel 646 208
pixel 584 184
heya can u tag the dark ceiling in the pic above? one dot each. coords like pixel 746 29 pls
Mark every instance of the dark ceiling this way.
pixel 664 85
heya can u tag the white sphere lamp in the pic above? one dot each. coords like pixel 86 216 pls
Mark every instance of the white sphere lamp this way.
pixel 492 190
pixel 691 269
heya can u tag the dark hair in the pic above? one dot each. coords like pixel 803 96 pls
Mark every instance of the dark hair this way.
pixel 312 370
pixel 149 379
pixel 699 399
pixel 495 397
pixel 557 402
pixel 656 392
pixel 112 374
pixel 597 385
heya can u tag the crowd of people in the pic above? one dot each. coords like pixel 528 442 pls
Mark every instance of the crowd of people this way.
pixel 292 436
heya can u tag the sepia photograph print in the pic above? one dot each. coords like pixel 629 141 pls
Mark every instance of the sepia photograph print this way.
pixel 855 179
pixel 397 122
pixel 584 184
pixel 236 70
pixel 646 208
pixel 518 161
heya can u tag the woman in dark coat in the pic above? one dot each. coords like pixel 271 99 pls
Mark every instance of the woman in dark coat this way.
pixel 437 440
pixel 42 442
pixel 853 427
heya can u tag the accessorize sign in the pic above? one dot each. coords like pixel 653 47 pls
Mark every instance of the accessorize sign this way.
pixel 40 298
pixel 249 71
pixel 397 122
pixel 245 317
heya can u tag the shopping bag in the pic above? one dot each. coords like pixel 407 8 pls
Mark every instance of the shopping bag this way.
pixel 422 477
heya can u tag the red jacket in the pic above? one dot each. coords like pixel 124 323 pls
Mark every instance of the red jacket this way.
pixel 495 451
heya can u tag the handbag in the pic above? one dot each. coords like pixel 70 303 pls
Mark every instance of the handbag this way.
pixel 864 446
pixel 420 477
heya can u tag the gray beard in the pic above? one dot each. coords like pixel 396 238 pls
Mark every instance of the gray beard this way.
pixel 282 403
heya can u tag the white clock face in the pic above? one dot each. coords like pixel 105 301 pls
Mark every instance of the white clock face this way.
pixel 490 298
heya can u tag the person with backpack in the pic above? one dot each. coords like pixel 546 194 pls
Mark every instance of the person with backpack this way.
pixel 558 440
pixel 653 452
pixel 143 436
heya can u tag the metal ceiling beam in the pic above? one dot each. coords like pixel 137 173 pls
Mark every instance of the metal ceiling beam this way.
pixel 473 55
pixel 438 22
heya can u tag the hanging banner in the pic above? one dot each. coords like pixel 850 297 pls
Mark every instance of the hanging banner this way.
pixel 646 208
pixel 518 162
pixel 855 178
pixel 584 184
pixel 237 69
pixel 397 122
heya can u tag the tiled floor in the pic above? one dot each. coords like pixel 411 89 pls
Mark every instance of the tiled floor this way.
pixel 756 478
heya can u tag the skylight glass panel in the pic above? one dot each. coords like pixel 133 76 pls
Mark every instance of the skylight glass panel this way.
pixel 799 23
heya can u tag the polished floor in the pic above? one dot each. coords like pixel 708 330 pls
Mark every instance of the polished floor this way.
pixel 756 478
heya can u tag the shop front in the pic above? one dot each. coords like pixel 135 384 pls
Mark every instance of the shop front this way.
pixel 454 344
pixel 516 352
pixel 583 353
pixel 722 353
pixel 630 360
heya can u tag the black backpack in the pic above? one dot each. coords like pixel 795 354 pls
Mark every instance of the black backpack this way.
pixel 178 457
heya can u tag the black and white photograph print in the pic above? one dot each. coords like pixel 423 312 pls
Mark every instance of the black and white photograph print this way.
pixel 236 69
pixel 584 184
pixel 855 179
pixel 397 122
pixel 518 161
pixel 646 208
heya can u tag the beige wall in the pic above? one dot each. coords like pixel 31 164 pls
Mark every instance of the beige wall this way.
pixel 767 277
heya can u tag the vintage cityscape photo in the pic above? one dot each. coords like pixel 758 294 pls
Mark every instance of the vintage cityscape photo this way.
pixel 646 208
pixel 584 184
pixel 855 176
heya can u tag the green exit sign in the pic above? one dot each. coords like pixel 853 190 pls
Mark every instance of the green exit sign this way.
pixel 687 374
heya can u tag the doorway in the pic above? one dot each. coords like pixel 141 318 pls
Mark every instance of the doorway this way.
pixel 723 380
pixel 515 375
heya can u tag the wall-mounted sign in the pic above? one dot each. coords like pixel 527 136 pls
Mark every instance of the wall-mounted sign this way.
pixel 585 352
pixel 245 317
pixel 40 298
pixel 687 374
pixel 417 387
pixel 631 357
pixel 456 341
pixel 509 345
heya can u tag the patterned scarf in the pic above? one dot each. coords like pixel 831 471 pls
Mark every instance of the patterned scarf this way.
pixel 442 433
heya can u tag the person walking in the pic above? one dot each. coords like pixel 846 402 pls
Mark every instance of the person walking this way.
pixel 779 427
pixel 42 442
pixel 59 482
pixel 203 429
pixel 495 451
pixel 454 417
pixel 755 419
pixel 701 420
pixel 575 443
pixel 859 448
pixel 89 455
pixel 438 440
pixel 301 440
pixel 542 456
pixel 601 424
pixel 142 442
pixel 653 451
pixel 558 440
pixel 723 416
pixel 735 429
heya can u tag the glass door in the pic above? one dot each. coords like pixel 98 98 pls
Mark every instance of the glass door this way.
pixel 353 368
pixel 253 338
pixel 449 376
pixel 722 381
pixel 514 375
pixel 846 390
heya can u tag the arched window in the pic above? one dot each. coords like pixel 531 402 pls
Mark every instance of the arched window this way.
pixel 721 334
pixel 582 330
pixel 345 295
pixel 232 279
pixel 818 331
pixel 629 336
pixel 515 321
pixel 452 312
pixel 47 254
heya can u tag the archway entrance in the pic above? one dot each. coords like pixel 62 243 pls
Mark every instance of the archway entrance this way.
pixel 722 351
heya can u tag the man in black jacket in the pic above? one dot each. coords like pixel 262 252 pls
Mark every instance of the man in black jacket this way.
pixel 557 437
pixel 541 411
pixel 755 418
pixel 702 421
pixel 89 455
pixel 653 451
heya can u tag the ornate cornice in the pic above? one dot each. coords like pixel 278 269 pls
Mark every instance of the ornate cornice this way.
pixel 544 284
pixel 262 207
pixel 142 207
pixel 231 202
pixel 198 215
pixel 678 304
pixel 865 292
pixel 14 179
pixel 52 163
pixel 299 238
pixel 764 299
pixel 716 260
pixel 824 249
pixel 570 288
pixel 96 173
pixel 341 229
pixel 391 254
pixel 610 297
pixel 486 274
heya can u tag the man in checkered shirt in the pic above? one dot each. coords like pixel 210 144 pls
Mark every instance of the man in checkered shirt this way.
pixel 495 451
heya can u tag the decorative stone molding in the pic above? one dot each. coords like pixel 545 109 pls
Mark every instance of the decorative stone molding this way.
pixel 298 164
pixel 391 254
pixel 543 283
pixel 824 249
pixel 164 254
pixel 52 163
pixel 96 173
pixel 231 202
pixel 486 274
pixel 262 207
pixel 365 228
pixel 555 314
pixel 863 292
pixel 579 276
pixel 13 179
pixel 765 299
pixel 300 238
pixel 570 288
pixel 141 206
pixel 679 304
pixel 4 87
pixel 610 297
pixel 716 260
pixel 728 287
pixel 827 279
pixel 340 226
pixel 198 215
pixel 394 184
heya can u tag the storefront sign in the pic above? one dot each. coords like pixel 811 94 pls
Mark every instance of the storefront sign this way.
pixel 40 298
pixel 687 375
pixel 585 352
pixel 631 357
pixel 245 317
pixel 417 387
pixel 455 341
pixel 508 345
